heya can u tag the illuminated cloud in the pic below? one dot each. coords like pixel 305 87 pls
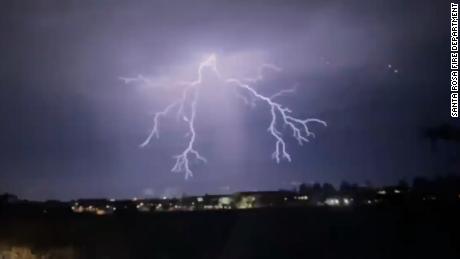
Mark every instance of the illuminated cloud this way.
pixel 186 108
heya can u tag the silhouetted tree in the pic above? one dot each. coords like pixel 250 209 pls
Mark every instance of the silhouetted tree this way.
pixel 305 189
pixel 329 189
pixel 345 187
pixel 420 184
pixel 403 184
pixel 317 188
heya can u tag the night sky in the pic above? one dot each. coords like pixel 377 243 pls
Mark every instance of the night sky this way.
pixel 376 71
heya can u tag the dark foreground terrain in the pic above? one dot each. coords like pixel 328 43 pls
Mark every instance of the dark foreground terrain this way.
pixel 428 231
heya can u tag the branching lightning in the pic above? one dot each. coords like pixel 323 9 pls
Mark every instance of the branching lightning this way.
pixel 186 107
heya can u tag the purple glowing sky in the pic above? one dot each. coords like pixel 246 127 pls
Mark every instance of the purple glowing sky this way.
pixel 71 128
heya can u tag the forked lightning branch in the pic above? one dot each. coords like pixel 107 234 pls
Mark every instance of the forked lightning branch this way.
pixel 185 106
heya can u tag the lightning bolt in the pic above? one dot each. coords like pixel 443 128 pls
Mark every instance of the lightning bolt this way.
pixel 186 108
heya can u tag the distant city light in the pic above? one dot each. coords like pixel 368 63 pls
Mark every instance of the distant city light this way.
pixel 332 202
pixel 225 201
pixel 304 197
pixel 236 201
